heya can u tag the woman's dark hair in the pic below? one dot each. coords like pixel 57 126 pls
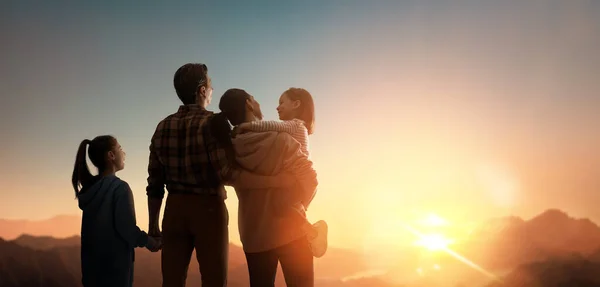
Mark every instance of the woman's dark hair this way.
pixel 188 78
pixel 307 106
pixel 233 105
pixel 98 148
pixel 233 110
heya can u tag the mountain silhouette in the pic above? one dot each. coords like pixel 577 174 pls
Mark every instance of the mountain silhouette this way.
pixel 59 226
pixel 556 230
pixel 63 230
pixel 56 262
pixel 523 252
pixel 48 261
pixel 23 266
pixel 501 244
pixel 575 271
pixel 46 242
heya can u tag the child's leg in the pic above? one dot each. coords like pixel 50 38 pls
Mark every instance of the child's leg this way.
pixel 311 231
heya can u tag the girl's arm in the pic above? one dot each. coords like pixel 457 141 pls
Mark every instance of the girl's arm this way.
pixel 289 127
pixel 124 217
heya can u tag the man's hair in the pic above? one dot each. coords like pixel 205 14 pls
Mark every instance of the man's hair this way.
pixel 188 78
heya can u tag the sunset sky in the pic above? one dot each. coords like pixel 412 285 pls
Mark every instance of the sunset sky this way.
pixel 465 109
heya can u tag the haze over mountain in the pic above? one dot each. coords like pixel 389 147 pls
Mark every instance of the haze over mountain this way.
pixel 59 226
pixel 504 243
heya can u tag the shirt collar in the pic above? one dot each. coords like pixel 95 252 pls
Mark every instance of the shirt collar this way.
pixel 191 108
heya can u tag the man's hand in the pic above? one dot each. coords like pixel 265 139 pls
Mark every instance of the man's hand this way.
pixel 154 244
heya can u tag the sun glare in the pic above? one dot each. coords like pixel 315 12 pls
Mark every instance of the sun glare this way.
pixel 436 242
pixel 434 220
pixel 433 242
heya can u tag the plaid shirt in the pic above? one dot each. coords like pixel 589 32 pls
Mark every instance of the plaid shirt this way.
pixel 185 157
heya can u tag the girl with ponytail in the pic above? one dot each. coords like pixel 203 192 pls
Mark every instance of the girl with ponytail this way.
pixel 109 232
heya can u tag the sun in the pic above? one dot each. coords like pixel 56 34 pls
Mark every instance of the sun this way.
pixel 433 242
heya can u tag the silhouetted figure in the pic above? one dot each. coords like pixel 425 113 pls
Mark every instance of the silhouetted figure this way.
pixel 186 158
pixel 268 238
pixel 109 232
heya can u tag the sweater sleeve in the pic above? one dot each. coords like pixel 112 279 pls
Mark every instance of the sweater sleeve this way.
pixel 289 127
pixel 125 221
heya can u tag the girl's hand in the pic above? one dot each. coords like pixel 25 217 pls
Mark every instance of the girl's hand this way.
pixel 235 131
pixel 242 128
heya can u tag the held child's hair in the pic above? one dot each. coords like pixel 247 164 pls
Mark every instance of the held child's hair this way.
pixel 98 149
pixel 306 110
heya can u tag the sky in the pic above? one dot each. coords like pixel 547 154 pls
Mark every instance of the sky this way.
pixel 466 109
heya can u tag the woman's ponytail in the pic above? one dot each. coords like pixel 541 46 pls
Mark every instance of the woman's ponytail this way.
pixel 221 130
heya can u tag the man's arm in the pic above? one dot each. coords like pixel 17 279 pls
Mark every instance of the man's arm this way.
pixel 155 191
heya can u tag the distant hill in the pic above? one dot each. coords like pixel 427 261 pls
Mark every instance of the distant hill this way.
pixel 502 244
pixel 576 271
pixel 59 226
pixel 523 252
pixel 47 261
pixel 46 242
pixel 23 266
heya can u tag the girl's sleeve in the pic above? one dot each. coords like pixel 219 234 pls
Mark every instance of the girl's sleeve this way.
pixel 125 220
pixel 289 127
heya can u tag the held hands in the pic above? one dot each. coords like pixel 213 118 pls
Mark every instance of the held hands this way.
pixel 154 239
pixel 154 244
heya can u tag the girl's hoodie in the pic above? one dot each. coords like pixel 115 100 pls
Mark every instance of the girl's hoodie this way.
pixel 109 233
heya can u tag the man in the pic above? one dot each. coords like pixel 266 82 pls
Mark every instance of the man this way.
pixel 187 159
pixel 267 237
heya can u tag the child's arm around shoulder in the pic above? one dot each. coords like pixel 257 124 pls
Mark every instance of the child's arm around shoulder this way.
pixel 289 127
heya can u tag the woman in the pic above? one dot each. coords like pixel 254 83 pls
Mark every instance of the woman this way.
pixel 109 232
pixel 297 114
pixel 268 238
